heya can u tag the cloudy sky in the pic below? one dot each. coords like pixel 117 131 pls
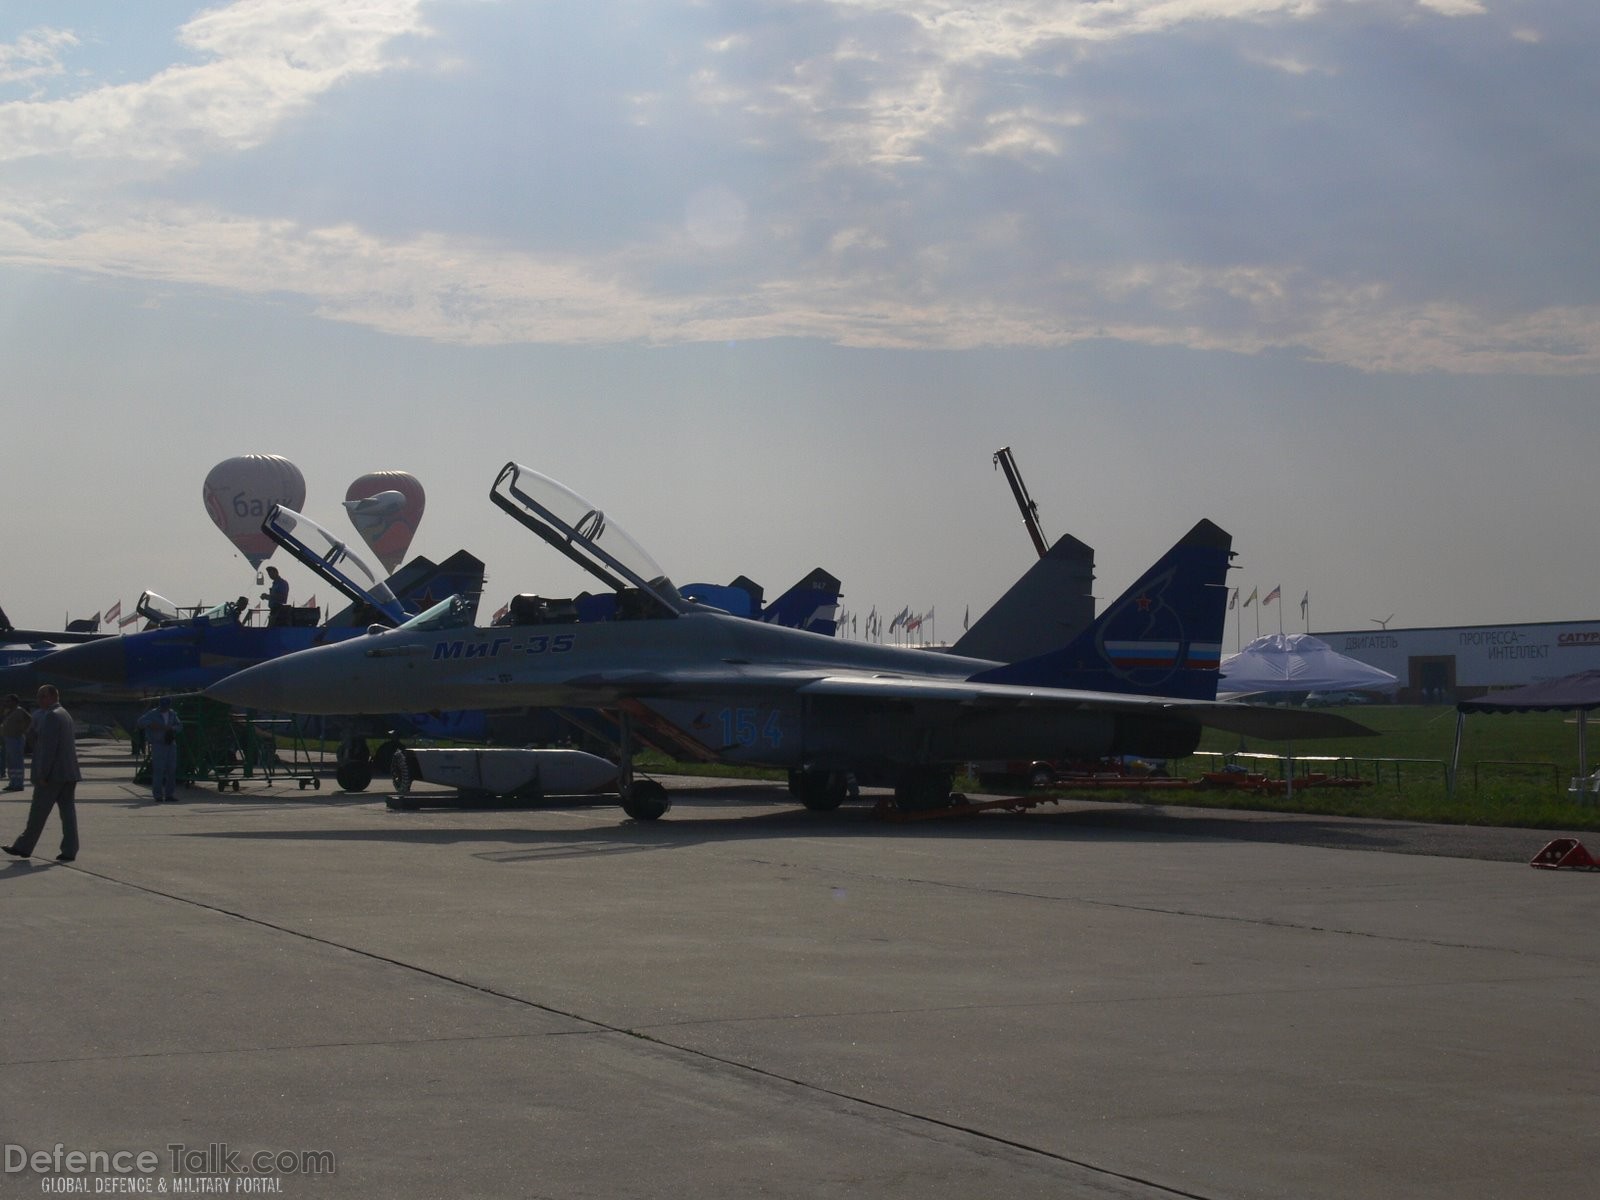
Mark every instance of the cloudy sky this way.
pixel 771 282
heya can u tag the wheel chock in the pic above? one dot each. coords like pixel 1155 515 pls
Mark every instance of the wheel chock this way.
pixel 960 806
pixel 1565 853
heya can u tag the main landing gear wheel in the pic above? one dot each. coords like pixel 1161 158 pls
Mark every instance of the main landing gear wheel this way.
pixel 820 791
pixel 354 775
pixel 646 800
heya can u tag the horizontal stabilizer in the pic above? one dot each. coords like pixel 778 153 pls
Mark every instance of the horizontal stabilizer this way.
pixel 1275 724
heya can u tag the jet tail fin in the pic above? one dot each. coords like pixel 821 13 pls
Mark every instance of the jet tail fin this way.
pixel 1161 637
pixel 420 584
pixel 1050 605
pixel 812 605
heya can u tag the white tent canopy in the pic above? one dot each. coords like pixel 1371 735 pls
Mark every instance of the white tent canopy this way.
pixel 1297 662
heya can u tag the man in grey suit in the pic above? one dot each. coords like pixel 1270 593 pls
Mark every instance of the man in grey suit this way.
pixel 55 778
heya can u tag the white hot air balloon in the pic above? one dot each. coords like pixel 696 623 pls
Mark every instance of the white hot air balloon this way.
pixel 240 491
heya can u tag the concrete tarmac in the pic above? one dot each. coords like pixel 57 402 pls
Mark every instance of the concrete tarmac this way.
pixel 746 999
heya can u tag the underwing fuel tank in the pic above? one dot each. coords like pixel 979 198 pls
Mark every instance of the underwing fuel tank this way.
pixel 503 773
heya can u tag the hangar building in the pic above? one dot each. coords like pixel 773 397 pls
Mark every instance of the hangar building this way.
pixel 1465 661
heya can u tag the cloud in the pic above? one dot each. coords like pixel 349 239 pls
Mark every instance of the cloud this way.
pixel 35 55
pixel 1454 8
pixel 475 293
pixel 267 61
pixel 867 173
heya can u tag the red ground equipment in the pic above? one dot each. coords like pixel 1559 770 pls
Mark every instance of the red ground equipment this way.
pixel 1565 852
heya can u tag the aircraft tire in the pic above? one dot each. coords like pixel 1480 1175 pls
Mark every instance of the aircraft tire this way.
pixel 822 791
pixel 646 800
pixel 354 775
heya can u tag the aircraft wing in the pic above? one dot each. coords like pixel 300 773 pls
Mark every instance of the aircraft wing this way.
pixel 1275 724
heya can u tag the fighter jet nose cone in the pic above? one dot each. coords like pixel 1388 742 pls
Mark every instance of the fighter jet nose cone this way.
pixel 255 687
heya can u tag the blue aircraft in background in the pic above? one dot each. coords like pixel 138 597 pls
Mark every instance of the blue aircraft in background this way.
pixel 106 678
pixel 18 646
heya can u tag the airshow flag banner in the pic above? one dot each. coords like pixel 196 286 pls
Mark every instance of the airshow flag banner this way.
pixel 1274 594
pixel 1250 597
pixel 113 612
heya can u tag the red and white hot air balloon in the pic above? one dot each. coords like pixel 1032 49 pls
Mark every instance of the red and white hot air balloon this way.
pixel 239 492
pixel 385 507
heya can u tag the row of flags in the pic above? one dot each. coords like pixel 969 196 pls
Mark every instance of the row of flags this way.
pixel 905 622
pixel 1275 594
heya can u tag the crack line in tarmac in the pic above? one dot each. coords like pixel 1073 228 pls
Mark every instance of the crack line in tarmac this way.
pixel 649 1039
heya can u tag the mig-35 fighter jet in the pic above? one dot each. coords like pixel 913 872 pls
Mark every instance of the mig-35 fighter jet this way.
pixel 1141 680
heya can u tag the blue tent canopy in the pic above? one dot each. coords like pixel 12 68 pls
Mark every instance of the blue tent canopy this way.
pixel 1580 692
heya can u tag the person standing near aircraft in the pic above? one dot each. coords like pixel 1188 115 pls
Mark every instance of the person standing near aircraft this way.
pixel 277 598
pixel 14 729
pixel 55 778
pixel 161 727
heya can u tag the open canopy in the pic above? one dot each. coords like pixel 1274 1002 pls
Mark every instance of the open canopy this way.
pixel 332 559
pixel 584 533
pixel 1297 662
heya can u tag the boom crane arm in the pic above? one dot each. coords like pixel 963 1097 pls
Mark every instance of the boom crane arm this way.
pixel 1030 511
